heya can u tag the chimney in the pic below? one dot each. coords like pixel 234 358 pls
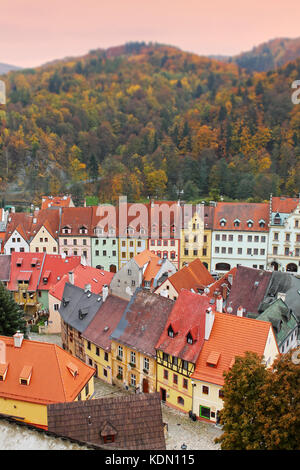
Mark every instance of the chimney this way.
pixel 2 352
pixel 71 277
pixel 240 311
pixel 219 304
pixel 18 339
pixel 209 321
pixel 104 292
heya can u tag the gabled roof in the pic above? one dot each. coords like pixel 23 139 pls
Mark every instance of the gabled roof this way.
pixel 83 275
pixel 31 269
pixel 76 217
pixel 105 321
pixel 217 286
pixel 134 420
pixel 48 218
pixel 283 283
pixel 56 201
pixel 78 307
pixel 188 312
pixel 282 319
pixel 51 384
pixel 284 205
pixel 143 321
pixel 5 261
pixel 153 264
pixel 231 336
pixel 194 276
pixel 230 211
pixel 20 221
pixel 248 289
pixel 55 267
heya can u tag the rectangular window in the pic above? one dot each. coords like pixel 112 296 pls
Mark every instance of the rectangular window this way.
pixel 106 356
pixel 230 238
pixel 146 363
pixel 185 383
pixel 132 357
pixel 240 238
pixel 175 379
pixel 256 238
pixel 224 238
pixel 97 351
pixel 205 390
pixel 217 249
pixel 120 373
pixel 262 251
pixel 166 374
pixel 217 237
pixel 132 380
pixel 249 238
pixel 263 239
pixel 120 352
pixel 223 249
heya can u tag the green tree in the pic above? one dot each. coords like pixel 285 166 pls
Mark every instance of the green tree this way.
pixel 243 384
pixel 11 316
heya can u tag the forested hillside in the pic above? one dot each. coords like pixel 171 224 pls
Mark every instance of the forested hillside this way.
pixel 150 120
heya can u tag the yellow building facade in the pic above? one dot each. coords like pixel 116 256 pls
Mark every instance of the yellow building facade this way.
pixel 132 369
pixel 43 242
pixel 173 382
pixel 100 359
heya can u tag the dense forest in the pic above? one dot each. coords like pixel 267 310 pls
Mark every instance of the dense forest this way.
pixel 148 120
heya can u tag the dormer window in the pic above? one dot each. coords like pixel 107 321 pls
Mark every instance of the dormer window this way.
pixel 25 375
pixel 170 332
pixel 83 229
pixel 82 313
pixel 98 231
pixel 250 223
pixel 112 231
pixel 262 223
pixel 3 371
pixel 223 222
pixel 213 359
pixel 66 229
pixel 65 301
pixel 189 338
pixel 236 223
pixel 108 433
pixel 130 230
pixel 73 369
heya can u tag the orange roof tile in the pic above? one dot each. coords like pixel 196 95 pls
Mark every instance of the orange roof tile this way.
pixel 231 336
pixel 51 381
pixel 55 201
pixel 193 276
pixel 284 205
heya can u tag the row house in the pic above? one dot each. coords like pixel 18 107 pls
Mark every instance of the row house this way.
pixel 18 233
pixel 97 340
pixel 44 231
pixel 75 232
pixel 165 227
pixel 284 234
pixel 193 277
pixel 25 275
pixel 218 355
pixel 196 234
pixel 179 346
pixel 132 230
pixel 134 339
pixel 77 309
pixel 144 270
pixel 105 242
pixel 82 276
pixel 35 374
pixel 240 236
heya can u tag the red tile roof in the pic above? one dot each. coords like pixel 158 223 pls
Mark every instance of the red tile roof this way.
pixel 187 316
pixel 26 270
pixel 20 221
pixel 217 286
pixel 49 218
pixel 77 217
pixel 55 201
pixel 232 211
pixel 83 275
pixel 284 205
pixel 231 336
pixel 50 382
pixel 194 276
pixel 55 267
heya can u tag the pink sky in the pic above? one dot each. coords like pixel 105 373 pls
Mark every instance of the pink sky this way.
pixel 33 32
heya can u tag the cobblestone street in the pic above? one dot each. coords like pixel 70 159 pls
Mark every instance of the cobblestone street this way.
pixel 196 435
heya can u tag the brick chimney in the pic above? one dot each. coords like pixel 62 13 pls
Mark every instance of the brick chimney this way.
pixel 18 339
